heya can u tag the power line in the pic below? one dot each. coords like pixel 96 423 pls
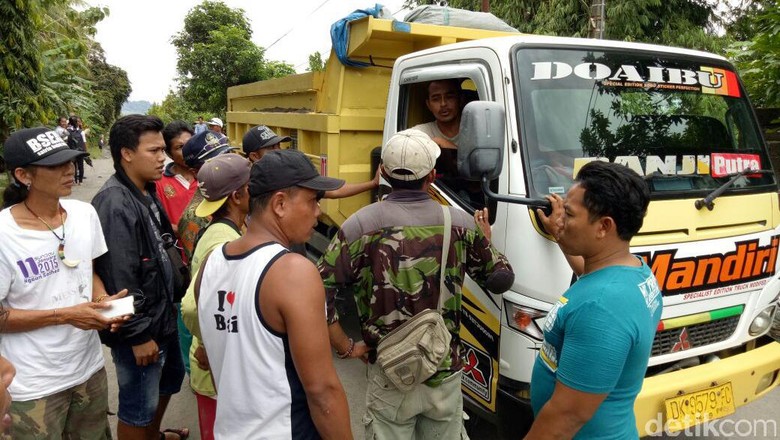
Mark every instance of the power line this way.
pixel 292 28
pixel 326 50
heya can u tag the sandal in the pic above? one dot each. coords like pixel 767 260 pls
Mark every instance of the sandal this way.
pixel 183 433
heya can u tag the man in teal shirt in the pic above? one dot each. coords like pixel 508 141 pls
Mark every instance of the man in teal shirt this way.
pixel 598 336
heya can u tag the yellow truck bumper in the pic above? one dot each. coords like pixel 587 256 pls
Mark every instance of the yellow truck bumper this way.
pixel 746 372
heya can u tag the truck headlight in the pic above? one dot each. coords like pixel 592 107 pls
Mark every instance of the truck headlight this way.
pixel 762 322
pixel 523 319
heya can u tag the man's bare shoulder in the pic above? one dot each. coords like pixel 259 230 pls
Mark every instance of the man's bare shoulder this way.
pixel 288 291
pixel 292 271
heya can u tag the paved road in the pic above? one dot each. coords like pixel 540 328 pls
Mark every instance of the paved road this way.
pixel 182 409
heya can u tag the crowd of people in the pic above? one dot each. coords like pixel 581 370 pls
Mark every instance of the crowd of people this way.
pixel 253 321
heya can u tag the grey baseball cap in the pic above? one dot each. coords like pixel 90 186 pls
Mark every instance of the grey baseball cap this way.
pixel 218 178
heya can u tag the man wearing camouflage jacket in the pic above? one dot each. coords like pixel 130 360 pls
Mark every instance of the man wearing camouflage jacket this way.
pixel 390 254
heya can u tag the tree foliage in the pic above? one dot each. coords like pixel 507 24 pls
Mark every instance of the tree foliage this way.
pixel 21 69
pixel 215 51
pixel 174 108
pixel 110 89
pixel 757 51
pixel 316 64
pixel 51 66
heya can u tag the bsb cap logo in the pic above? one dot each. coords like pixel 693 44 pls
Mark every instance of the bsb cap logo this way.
pixel 45 142
pixel 37 146
pixel 265 134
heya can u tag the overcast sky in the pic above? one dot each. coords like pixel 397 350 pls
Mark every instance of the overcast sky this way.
pixel 136 36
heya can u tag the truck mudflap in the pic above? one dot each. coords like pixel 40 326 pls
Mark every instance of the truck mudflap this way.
pixel 734 381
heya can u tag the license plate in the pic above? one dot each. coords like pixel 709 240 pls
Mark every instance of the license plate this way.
pixel 691 409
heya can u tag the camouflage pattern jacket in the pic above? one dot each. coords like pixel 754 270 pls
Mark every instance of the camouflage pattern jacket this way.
pixel 190 225
pixel 390 254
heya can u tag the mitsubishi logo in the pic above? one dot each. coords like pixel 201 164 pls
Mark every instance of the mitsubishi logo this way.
pixel 682 341
pixel 471 368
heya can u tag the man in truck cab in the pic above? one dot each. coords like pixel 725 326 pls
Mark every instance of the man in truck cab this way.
pixel 598 336
pixel 445 102
pixel 392 254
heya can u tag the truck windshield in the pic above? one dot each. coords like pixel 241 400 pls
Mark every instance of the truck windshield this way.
pixel 684 123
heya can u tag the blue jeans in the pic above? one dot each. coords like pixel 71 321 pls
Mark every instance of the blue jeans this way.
pixel 140 387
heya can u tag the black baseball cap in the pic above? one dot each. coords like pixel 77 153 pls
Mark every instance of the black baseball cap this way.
pixel 261 137
pixel 37 146
pixel 280 169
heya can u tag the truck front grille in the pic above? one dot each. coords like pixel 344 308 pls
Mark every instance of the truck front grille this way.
pixel 696 335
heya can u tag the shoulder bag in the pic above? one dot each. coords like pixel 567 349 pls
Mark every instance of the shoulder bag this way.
pixel 411 353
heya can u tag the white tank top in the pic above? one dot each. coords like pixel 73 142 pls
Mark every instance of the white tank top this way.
pixel 260 395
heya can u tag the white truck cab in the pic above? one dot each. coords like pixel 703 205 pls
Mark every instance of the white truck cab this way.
pixel 544 106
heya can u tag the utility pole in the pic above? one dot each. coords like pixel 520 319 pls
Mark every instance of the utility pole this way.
pixel 597 15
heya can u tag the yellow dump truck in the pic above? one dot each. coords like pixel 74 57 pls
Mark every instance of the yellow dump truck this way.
pixel 543 107
pixel 337 116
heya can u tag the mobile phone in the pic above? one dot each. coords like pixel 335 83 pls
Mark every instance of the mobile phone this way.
pixel 119 307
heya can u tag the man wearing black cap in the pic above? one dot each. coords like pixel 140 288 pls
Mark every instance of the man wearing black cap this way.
pixel 260 140
pixel 255 331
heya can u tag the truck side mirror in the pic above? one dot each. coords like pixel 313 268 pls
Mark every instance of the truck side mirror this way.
pixel 481 141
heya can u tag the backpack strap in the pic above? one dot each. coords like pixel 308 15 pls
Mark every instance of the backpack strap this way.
pixel 199 278
pixel 445 250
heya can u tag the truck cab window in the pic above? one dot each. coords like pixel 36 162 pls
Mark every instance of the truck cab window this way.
pixel 434 107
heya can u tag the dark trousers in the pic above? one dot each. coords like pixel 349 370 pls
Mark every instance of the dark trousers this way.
pixel 79 170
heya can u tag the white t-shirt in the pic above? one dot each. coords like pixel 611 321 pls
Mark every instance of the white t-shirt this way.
pixel 32 277
pixel 432 130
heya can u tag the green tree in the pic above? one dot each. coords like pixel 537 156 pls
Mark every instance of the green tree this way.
pixel 757 55
pixel 77 78
pixel 52 66
pixel 66 37
pixel 215 51
pixel 110 89
pixel 21 69
pixel 173 108
pixel 316 64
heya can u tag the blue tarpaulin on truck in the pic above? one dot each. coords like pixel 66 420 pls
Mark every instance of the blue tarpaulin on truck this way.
pixel 339 32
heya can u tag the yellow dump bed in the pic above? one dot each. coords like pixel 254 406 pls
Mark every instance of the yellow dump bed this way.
pixel 337 116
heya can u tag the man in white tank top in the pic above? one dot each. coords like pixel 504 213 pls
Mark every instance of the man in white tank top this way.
pixel 261 311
